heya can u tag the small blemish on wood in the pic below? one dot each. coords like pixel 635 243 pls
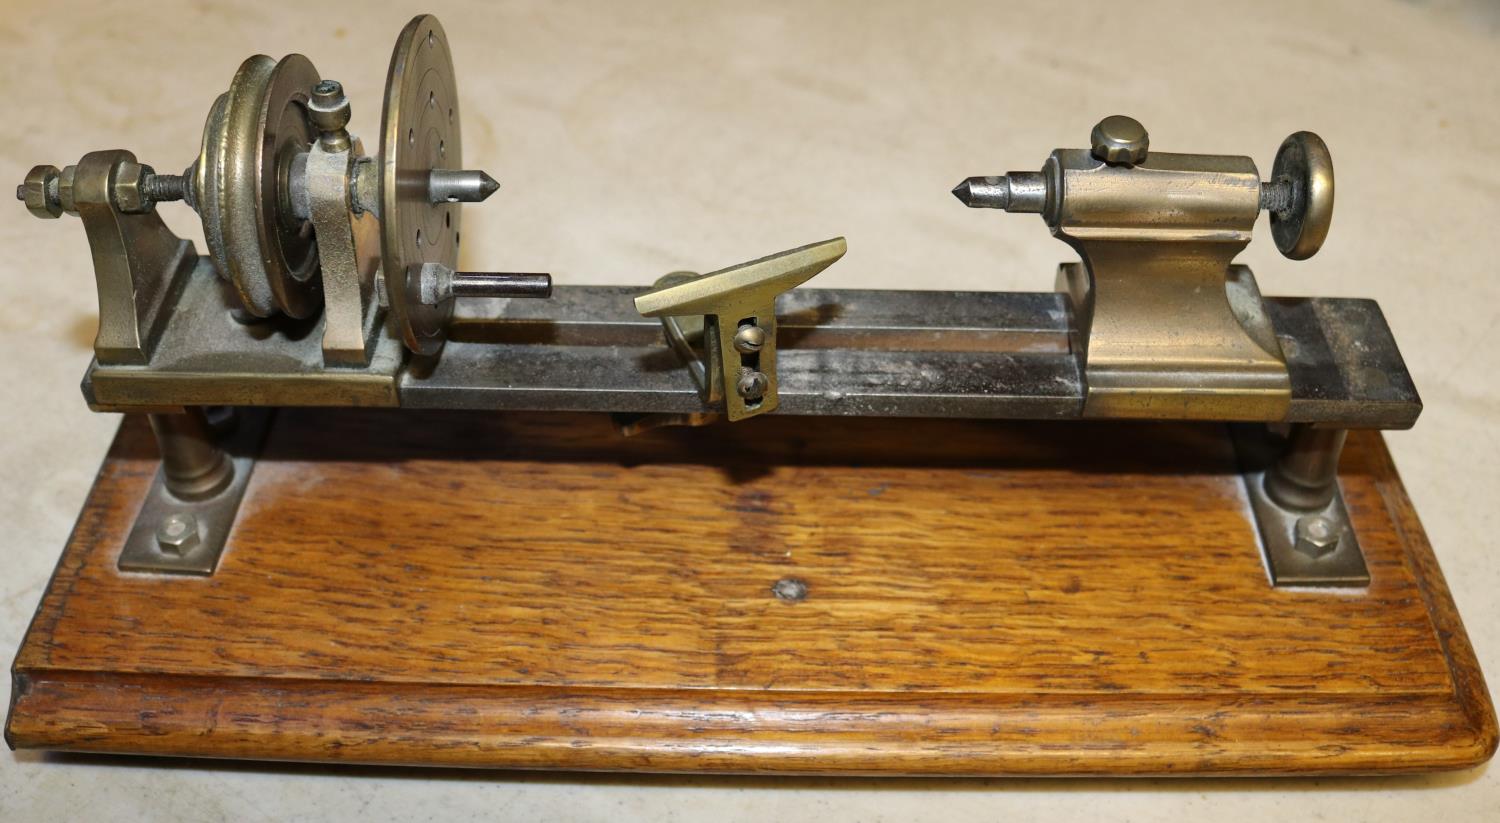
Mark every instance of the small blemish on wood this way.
pixel 790 590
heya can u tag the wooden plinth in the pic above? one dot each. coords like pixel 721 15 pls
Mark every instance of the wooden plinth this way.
pixel 534 591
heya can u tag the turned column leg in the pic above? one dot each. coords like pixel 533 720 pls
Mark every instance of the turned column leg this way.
pixel 190 508
pixel 193 466
pixel 1306 475
pixel 1304 525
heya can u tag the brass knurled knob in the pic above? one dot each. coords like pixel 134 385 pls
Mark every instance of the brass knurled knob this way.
pixel 1120 140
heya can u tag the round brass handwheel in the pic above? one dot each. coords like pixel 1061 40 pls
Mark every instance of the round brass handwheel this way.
pixel 241 185
pixel 1304 163
pixel 419 133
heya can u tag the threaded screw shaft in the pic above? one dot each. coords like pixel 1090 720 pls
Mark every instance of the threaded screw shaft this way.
pixel 165 187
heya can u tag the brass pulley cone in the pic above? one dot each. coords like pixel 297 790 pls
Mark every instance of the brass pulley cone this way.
pixel 419 133
pixel 241 184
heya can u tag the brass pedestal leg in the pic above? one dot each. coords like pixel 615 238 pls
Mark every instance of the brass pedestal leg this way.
pixel 185 520
pixel 1303 523
pixel 192 464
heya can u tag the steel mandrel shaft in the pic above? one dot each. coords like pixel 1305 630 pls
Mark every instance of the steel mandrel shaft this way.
pixel 437 284
pixel 459 186
pixel 500 284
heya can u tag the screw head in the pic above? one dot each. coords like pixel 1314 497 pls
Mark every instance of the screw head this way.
pixel 749 339
pixel 1120 140
pixel 40 191
pixel 177 534
pixel 1317 536
pixel 752 384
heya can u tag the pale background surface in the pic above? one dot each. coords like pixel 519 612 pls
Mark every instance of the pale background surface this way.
pixel 634 139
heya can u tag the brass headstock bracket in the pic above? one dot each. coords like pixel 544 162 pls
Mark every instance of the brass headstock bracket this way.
pixel 1167 325
pixel 299 222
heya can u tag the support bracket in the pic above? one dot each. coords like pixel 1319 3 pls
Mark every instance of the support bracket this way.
pixel 1313 544
pixel 173 534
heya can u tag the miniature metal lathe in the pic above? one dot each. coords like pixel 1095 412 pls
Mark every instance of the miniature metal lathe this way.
pixel 911 567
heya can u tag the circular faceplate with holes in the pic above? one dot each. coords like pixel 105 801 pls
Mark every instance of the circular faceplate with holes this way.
pixel 252 134
pixel 419 132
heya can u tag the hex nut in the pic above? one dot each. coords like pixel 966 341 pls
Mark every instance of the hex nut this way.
pixel 129 189
pixel 1317 536
pixel 65 189
pixel 177 534
pixel 40 192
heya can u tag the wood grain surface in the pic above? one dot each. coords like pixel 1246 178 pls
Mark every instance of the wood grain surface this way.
pixel 535 591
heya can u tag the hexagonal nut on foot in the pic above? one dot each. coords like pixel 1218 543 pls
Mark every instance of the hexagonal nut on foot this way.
pixel 40 192
pixel 129 191
pixel 177 534
pixel 1317 536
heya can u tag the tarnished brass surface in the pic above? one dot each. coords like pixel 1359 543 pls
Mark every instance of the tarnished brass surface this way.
pixel 736 298
pixel 419 132
pixel 249 141
pixel 1158 332
pixel 348 253
pixel 1158 322
pixel 139 265
pixel 207 358
pixel 39 192
pixel 1167 327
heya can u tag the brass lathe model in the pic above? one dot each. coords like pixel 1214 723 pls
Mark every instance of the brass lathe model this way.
pixel 332 279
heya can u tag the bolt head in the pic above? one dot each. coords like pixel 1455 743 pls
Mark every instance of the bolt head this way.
pixel 1120 140
pixel 328 108
pixel 40 192
pixel 752 384
pixel 177 534
pixel 1317 536
pixel 749 339
pixel 129 191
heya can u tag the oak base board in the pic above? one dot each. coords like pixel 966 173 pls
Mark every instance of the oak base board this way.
pixel 532 591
